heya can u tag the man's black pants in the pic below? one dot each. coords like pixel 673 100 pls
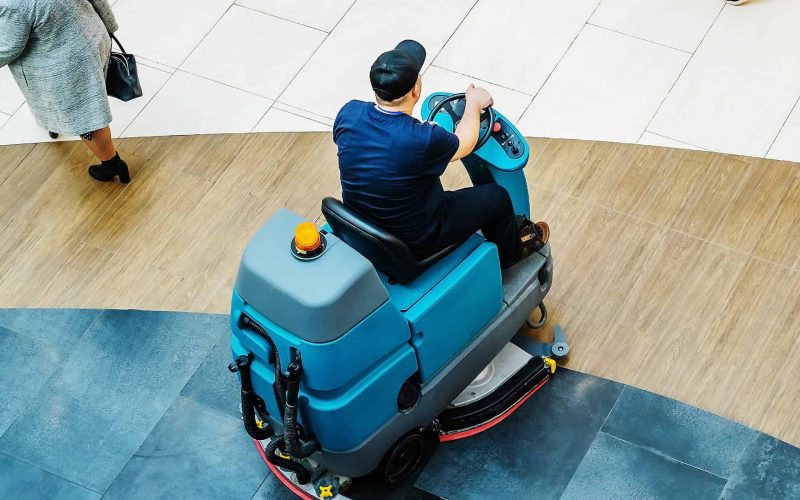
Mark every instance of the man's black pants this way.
pixel 486 207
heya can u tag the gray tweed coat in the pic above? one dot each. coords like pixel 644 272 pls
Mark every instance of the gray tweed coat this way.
pixel 58 52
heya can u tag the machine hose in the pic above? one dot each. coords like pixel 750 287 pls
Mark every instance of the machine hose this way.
pixel 280 389
pixel 290 425
pixel 249 399
pixel 277 443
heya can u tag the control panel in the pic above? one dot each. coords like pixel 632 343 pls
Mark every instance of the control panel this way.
pixel 506 150
pixel 506 135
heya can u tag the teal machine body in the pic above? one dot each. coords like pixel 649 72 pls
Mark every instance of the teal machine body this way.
pixel 345 354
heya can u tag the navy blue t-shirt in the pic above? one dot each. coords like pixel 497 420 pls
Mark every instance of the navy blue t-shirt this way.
pixel 390 165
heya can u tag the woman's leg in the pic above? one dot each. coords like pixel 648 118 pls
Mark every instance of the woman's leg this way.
pixel 111 165
pixel 100 143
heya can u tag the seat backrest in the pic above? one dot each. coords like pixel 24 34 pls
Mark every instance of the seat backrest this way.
pixel 387 253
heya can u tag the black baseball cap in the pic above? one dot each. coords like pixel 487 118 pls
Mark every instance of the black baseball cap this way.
pixel 394 73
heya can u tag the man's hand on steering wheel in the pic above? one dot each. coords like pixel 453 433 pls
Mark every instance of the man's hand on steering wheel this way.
pixel 468 129
pixel 479 96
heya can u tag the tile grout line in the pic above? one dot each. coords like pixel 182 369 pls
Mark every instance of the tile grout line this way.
pixel 171 75
pixel 756 434
pixel 59 476
pixel 452 34
pixel 661 104
pixel 67 355
pixel 594 438
pixel 665 456
pixel 12 116
pixel 260 485
pixel 555 67
pixel 635 217
pixel 254 94
pixel 152 65
pixel 432 65
pixel 638 38
pixel 177 68
pixel 672 139
pixel 296 110
pixel 783 125
pixel 130 124
pixel 616 402
pixel 194 49
pixel 293 114
pixel 289 84
pixel 269 14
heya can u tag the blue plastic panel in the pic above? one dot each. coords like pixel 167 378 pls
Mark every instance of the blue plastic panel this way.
pixel 405 296
pixel 349 386
pixel 450 316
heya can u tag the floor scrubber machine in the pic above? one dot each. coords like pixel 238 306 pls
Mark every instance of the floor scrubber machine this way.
pixel 351 352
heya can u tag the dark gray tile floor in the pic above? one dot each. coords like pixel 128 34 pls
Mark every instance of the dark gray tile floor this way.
pixel 21 480
pixel 543 442
pixel 194 452
pixel 135 404
pixel 678 431
pixel 27 363
pixel 769 468
pixel 213 385
pixel 613 468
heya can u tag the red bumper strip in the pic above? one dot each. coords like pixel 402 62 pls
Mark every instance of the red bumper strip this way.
pixel 281 476
pixel 454 436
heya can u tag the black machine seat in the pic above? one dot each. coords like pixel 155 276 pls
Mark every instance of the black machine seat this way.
pixel 387 253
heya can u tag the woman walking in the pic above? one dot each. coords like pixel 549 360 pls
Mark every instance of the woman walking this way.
pixel 58 52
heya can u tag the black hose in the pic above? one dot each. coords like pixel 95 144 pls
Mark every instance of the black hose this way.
pixel 290 426
pixel 279 388
pixel 276 443
pixel 249 400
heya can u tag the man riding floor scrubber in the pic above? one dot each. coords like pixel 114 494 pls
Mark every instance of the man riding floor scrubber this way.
pixel 352 349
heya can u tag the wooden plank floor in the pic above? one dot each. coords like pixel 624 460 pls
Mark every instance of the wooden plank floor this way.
pixel 676 271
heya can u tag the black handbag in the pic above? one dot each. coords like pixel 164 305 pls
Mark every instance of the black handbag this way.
pixel 122 80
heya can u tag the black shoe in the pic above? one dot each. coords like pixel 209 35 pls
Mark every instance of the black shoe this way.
pixel 107 170
pixel 53 135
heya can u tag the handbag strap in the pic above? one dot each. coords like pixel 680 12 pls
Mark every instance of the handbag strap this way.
pixel 118 44
pixel 110 33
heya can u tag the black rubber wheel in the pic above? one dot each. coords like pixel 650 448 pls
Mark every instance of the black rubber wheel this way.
pixel 542 319
pixel 53 135
pixel 402 458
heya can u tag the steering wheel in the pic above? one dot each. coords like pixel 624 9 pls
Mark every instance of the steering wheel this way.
pixel 455 108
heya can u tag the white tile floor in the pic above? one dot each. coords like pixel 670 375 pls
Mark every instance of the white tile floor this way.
pixel 10 96
pixel 607 87
pixel 681 73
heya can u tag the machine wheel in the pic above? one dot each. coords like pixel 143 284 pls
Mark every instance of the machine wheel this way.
pixel 402 458
pixel 542 320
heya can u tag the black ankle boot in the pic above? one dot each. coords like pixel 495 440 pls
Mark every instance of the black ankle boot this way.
pixel 109 169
